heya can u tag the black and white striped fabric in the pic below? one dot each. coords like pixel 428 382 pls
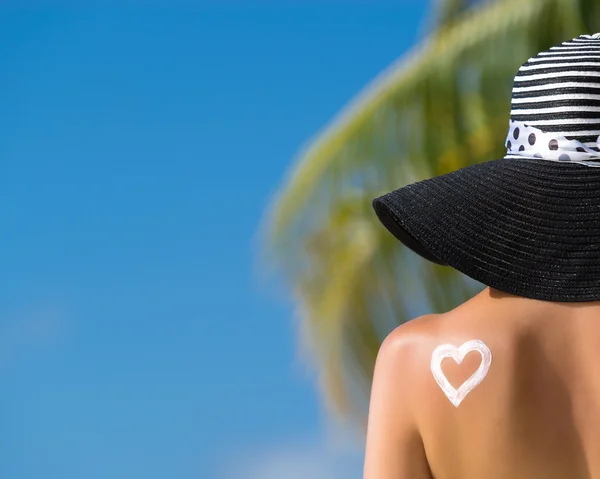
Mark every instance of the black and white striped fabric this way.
pixel 555 108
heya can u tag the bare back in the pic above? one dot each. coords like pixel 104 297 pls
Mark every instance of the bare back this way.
pixel 536 414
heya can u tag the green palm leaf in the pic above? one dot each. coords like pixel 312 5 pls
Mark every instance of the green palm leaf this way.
pixel 442 106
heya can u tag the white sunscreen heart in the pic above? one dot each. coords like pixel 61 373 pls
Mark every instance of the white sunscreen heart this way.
pixel 458 354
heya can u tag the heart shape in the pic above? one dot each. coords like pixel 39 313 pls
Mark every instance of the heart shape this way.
pixel 458 354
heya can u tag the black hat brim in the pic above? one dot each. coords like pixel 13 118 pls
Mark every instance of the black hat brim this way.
pixel 529 227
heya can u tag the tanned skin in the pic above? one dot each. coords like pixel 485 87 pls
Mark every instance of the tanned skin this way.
pixel 536 415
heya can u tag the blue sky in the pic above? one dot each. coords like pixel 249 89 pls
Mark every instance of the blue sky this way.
pixel 139 150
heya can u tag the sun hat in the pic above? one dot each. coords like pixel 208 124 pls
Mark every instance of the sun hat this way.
pixel 528 223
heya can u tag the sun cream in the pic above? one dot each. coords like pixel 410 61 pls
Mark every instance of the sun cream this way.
pixel 458 354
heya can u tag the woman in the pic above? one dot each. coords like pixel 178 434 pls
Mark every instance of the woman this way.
pixel 525 402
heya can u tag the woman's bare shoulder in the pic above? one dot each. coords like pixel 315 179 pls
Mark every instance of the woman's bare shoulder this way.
pixel 394 447
pixel 406 351
pixel 409 337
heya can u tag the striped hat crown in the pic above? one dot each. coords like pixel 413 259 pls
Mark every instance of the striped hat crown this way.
pixel 555 108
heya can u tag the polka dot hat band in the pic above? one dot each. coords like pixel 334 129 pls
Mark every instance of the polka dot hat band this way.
pixel 527 223
pixel 525 141
pixel 555 110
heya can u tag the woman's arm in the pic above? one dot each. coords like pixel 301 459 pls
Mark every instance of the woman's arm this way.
pixel 394 449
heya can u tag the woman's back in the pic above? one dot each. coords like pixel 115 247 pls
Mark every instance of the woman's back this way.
pixel 536 414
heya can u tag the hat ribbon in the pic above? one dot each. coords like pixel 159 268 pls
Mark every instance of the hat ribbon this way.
pixel 527 141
